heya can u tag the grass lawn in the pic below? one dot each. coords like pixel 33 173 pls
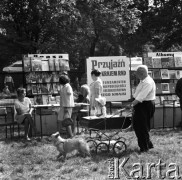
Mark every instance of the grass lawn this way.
pixel 37 159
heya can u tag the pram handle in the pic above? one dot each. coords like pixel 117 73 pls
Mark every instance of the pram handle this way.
pixel 119 111
pixel 122 110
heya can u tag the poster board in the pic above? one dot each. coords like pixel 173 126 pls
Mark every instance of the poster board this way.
pixel 114 74
pixel 50 56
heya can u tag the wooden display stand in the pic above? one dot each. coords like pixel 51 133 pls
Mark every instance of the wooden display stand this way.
pixel 166 117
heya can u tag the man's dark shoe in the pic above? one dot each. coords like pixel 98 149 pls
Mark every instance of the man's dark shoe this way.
pixel 150 146
pixel 143 150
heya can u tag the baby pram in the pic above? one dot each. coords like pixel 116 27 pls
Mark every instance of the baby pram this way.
pixel 105 134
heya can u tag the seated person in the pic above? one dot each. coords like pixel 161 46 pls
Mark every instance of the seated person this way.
pixel 101 110
pixel 6 90
pixel 82 110
pixel 24 111
pixel 84 95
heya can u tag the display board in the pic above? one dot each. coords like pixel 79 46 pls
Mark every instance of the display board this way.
pixel 163 54
pixel 114 74
pixel 41 72
pixel 165 68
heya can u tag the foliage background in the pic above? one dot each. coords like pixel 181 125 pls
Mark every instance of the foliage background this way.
pixel 84 28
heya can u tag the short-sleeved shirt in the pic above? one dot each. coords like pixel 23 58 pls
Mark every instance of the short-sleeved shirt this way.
pixel 66 101
pixel 145 90
pixel 66 96
pixel 24 107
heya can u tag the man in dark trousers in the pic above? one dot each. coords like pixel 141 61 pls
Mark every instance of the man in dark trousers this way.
pixel 144 107
pixel 178 91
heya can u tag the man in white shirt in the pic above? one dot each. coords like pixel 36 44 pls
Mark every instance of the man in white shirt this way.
pixel 144 107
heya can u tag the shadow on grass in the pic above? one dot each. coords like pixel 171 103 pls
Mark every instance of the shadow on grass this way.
pixel 108 155
pixel 166 131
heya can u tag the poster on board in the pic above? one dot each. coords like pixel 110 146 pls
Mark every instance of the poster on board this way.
pixel 114 74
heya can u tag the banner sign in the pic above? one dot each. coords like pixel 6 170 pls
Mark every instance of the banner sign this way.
pixel 114 74
pixel 165 54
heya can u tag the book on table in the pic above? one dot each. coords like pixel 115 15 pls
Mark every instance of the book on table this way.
pixel 157 100
pixel 45 99
pixel 38 100
pixel 162 99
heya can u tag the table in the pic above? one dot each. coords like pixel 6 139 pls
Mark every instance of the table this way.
pixel 43 109
pixel 46 109
pixel 167 116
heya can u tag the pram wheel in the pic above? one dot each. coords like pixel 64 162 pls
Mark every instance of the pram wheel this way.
pixel 119 147
pixel 92 144
pixel 102 147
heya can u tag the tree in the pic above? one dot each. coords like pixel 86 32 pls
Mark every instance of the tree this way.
pixel 31 25
pixel 81 28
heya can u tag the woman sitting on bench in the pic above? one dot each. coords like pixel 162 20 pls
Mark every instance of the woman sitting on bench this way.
pixel 24 112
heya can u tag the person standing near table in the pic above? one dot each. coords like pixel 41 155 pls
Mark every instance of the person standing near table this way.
pixel 6 91
pixel 66 103
pixel 8 81
pixel 178 91
pixel 144 107
pixel 96 89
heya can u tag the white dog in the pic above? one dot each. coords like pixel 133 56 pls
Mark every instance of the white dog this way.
pixel 65 146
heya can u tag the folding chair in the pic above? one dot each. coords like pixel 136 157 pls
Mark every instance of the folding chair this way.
pixel 4 122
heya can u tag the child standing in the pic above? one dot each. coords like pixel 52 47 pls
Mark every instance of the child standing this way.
pixel 101 111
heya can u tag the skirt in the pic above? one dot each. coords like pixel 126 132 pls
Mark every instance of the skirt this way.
pixel 62 115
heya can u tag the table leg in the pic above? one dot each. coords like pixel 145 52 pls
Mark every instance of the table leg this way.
pixel 41 122
pixel 34 120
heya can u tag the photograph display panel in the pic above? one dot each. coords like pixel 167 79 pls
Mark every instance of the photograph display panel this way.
pixel 42 72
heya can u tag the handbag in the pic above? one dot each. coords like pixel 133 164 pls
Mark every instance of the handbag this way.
pixel 67 122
